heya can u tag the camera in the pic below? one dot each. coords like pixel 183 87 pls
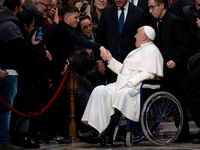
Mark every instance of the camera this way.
pixel 39 33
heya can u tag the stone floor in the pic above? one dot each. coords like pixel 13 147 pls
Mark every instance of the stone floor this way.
pixel 144 145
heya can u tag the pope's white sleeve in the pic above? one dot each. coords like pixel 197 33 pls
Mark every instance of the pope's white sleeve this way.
pixel 139 77
pixel 115 65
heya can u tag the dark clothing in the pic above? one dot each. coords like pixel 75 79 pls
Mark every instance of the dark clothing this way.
pixel 144 5
pixel 191 88
pixel 176 8
pixel 60 46
pixel 173 44
pixel 191 29
pixel 88 75
pixel 108 29
pixel 49 31
pixel 11 41
pixel 95 22
pixel 31 79
pixel 108 34
pixel 64 40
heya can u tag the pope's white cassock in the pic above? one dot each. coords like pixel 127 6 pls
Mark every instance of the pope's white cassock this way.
pixel 142 63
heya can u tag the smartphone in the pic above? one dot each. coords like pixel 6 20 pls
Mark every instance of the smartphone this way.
pixel 39 33
pixel 57 4
pixel 84 6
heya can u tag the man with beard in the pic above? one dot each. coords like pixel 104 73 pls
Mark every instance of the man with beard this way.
pixel 38 9
pixel 12 50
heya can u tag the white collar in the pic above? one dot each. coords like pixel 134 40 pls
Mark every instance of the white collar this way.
pixel 125 7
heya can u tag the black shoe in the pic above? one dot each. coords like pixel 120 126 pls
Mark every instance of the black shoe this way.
pixel 105 139
pixel 61 139
pixel 92 140
pixel 42 138
pixel 29 144
pixel 196 141
pixel 89 134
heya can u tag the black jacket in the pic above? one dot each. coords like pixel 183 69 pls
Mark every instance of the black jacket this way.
pixel 11 40
pixel 107 32
pixel 173 44
pixel 49 31
pixel 62 43
pixel 191 28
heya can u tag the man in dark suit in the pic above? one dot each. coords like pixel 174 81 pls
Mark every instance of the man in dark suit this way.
pixel 108 34
pixel 173 44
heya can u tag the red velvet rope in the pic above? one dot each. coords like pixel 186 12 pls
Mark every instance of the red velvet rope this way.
pixel 49 103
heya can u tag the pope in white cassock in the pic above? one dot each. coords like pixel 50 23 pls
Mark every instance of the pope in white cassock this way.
pixel 143 63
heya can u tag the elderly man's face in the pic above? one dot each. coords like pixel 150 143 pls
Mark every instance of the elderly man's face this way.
pixel 139 37
pixel 43 6
pixel 121 3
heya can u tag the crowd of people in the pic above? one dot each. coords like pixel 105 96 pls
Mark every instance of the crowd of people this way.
pixel 116 45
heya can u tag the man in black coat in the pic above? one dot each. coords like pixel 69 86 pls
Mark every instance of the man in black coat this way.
pixel 190 16
pixel 173 44
pixel 191 83
pixel 108 33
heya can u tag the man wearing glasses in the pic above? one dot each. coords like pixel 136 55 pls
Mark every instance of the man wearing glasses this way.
pixel 38 9
pixel 173 44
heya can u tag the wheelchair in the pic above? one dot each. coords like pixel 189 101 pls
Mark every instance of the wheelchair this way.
pixel 161 117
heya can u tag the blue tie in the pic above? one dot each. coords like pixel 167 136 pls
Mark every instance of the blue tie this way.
pixel 121 24
pixel 121 20
pixel 132 2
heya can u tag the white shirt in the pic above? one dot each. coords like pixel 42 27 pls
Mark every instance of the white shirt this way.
pixel 125 11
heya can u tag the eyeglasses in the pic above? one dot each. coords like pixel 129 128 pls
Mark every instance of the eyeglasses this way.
pixel 152 7
pixel 87 26
pixel 47 5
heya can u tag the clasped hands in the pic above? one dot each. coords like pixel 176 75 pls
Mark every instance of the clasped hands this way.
pixel 105 54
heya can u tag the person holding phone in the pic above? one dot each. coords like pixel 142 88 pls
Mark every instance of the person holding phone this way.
pixel 51 13
pixel 31 79
pixel 39 10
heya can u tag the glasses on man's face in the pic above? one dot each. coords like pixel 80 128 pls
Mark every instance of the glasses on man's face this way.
pixel 152 7
pixel 47 5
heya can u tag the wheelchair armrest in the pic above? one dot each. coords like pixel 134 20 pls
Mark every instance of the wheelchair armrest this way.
pixel 151 82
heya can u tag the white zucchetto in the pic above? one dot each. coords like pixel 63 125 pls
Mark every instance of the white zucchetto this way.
pixel 150 32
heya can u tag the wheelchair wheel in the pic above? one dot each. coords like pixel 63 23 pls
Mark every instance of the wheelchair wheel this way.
pixel 161 118
pixel 131 138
